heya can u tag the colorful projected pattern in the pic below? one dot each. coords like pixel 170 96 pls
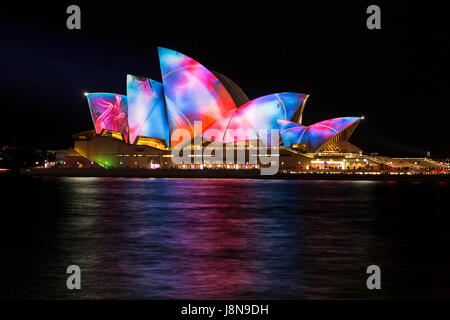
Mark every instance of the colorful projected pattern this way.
pixel 192 92
pixel 259 114
pixel 189 93
pixel 147 115
pixel 290 132
pixel 109 111
pixel 315 135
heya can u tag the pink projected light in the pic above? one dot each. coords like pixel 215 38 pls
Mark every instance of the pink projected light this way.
pixel 189 92
pixel 147 114
pixel 259 114
pixel 109 111
pixel 315 135
pixel 192 93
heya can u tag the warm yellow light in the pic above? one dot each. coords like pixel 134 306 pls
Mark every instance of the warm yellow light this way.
pixel 86 93
pixel 151 142
pixel 362 118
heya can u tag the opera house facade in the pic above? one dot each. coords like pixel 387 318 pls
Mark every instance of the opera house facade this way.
pixel 137 130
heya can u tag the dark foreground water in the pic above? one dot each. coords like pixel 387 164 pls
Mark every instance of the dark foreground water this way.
pixel 223 239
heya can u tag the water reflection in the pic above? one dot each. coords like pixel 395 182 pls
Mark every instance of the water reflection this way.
pixel 232 239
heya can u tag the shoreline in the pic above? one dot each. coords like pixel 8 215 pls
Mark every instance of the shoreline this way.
pixel 221 174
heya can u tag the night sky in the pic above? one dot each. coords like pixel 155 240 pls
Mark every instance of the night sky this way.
pixel 397 77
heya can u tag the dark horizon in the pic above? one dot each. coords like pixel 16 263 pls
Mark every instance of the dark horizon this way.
pixel 395 77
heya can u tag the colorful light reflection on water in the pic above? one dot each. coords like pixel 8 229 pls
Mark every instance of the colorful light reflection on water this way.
pixel 225 239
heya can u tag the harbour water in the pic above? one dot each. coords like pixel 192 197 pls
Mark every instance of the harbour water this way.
pixel 136 238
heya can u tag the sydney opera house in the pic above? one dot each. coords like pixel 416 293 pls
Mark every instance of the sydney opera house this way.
pixel 136 130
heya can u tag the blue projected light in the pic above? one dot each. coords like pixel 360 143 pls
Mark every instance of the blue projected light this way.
pixel 315 135
pixel 147 115
pixel 192 92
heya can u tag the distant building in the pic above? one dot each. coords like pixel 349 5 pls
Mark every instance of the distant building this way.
pixel 59 156
pixel 135 131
